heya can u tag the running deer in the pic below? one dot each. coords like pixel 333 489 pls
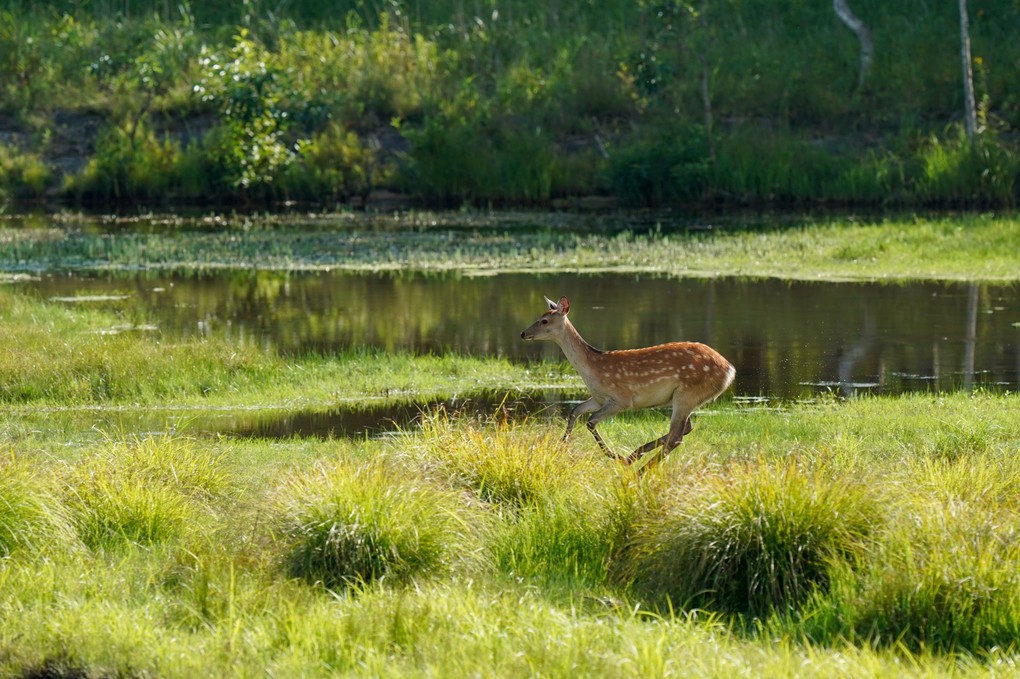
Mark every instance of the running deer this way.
pixel 686 374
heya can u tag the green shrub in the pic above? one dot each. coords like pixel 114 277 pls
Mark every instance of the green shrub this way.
pixel 128 164
pixel 459 158
pixel 344 525
pixel 247 86
pixel 660 167
pixel 22 175
pixel 332 166
pixel 750 541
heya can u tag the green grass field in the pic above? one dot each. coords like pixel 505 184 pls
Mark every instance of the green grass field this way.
pixel 873 537
pixel 978 247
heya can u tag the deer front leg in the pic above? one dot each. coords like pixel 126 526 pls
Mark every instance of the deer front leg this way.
pixel 608 409
pixel 589 406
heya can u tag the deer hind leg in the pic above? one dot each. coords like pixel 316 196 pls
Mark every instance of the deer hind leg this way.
pixel 642 449
pixel 679 426
pixel 677 431
pixel 652 445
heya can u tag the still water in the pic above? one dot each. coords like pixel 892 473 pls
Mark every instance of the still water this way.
pixel 787 339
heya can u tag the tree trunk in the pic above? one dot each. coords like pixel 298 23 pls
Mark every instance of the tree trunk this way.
pixel 706 101
pixel 863 34
pixel 970 110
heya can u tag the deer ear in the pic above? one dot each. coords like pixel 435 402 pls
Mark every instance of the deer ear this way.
pixel 564 306
pixel 552 304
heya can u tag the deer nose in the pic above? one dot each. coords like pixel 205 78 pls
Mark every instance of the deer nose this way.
pixel 522 335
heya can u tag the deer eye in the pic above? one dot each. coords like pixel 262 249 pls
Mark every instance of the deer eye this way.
pixel 545 321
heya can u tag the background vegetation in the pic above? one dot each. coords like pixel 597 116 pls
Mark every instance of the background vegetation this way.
pixel 502 102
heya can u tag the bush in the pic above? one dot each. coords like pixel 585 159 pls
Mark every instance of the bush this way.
pixel 346 525
pixel 660 167
pixel 22 175
pixel 459 158
pixel 749 541
pixel 128 164
pixel 332 166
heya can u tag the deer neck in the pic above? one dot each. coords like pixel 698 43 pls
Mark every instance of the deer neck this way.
pixel 578 352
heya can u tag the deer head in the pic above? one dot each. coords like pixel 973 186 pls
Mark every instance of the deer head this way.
pixel 551 323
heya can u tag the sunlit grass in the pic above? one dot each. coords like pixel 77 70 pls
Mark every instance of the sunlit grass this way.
pixel 865 536
pixel 959 247
pixel 348 525
pixel 56 357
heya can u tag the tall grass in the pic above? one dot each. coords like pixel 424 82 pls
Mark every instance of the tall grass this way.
pixel 347 525
pixel 752 540
pixel 790 554
pixel 32 520
pixel 144 492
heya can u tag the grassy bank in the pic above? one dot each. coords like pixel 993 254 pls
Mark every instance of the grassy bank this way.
pixel 958 247
pixel 62 356
pixel 519 103
pixel 873 537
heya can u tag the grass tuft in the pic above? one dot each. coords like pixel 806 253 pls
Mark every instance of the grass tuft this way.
pixel 30 517
pixel 143 492
pixel 943 576
pixel 502 464
pixel 750 540
pixel 344 525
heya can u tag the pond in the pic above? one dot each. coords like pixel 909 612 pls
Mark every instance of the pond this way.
pixel 787 339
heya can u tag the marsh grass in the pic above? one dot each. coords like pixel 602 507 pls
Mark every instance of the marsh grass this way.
pixel 32 520
pixel 942 576
pixel 142 492
pixel 348 525
pixel 973 247
pixel 751 540
pixel 860 543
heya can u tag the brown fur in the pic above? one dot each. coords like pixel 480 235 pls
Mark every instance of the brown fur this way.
pixel 684 374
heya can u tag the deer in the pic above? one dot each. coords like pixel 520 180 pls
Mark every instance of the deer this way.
pixel 684 374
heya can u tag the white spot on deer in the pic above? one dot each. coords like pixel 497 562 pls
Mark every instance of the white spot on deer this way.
pixel 705 368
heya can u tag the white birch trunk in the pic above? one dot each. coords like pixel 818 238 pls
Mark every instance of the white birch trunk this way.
pixel 970 109
pixel 863 35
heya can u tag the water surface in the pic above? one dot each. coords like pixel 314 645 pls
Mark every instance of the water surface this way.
pixel 787 339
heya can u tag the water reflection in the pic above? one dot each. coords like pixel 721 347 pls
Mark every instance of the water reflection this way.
pixel 787 339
